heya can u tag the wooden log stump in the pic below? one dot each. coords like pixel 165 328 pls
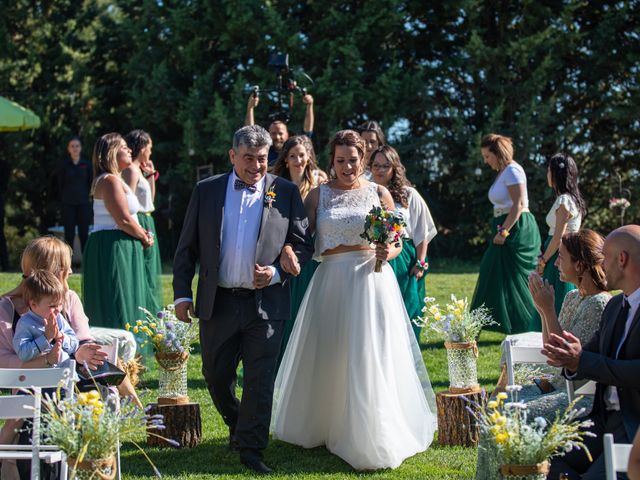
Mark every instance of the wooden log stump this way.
pixel 183 424
pixel 456 425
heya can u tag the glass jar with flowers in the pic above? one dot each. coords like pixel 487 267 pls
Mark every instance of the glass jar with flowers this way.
pixel 87 429
pixel 172 341
pixel 524 447
pixel 459 327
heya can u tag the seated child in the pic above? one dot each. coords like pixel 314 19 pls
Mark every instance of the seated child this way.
pixel 43 330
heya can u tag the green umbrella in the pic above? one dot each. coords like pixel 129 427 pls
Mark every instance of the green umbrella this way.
pixel 14 118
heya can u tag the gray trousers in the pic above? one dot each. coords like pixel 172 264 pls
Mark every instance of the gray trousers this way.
pixel 236 332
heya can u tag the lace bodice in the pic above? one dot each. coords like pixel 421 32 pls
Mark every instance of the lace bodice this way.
pixel 341 214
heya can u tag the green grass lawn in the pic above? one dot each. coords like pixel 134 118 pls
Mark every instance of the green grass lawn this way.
pixel 212 459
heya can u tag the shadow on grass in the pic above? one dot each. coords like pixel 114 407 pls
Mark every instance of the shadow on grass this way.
pixel 213 457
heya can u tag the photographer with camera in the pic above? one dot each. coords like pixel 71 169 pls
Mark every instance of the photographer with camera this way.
pixel 278 128
pixel 283 94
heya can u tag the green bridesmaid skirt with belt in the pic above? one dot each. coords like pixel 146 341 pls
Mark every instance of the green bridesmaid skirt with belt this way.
pixel 113 279
pixel 503 280
pixel 413 291
pixel 560 288
pixel 152 266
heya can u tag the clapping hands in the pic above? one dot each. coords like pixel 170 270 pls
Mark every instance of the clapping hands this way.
pixel 542 293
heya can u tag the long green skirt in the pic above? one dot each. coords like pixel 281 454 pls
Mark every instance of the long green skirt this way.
pixel 152 266
pixel 552 275
pixel 298 286
pixel 413 291
pixel 113 279
pixel 503 280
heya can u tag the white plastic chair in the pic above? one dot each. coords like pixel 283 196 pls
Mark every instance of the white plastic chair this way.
pixel 28 406
pixel 515 354
pixel 588 389
pixel 616 456
pixel 114 397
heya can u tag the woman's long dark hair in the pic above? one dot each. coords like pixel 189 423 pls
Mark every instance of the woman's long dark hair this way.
pixel 564 178
pixel 399 180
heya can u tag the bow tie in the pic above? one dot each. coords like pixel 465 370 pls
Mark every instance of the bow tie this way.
pixel 239 185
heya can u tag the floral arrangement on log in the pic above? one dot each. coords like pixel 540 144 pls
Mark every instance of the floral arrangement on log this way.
pixel 164 331
pixel 525 447
pixel 455 323
pixel 87 429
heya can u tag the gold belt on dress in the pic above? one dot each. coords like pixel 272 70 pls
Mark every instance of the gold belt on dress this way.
pixel 505 211
pixel 148 214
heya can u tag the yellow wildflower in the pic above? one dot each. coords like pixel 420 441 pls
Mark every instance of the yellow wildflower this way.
pixel 93 395
pixel 501 437
pixel 139 323
pixel 495 429
pixel 153 325
pixel 501 420
pixel 135 329
pixel 127 326
pixel 502 396
pixel 83 398
pixel 492 404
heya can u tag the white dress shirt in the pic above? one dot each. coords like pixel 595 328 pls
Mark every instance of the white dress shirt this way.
pixel 239 237
pixel 611 398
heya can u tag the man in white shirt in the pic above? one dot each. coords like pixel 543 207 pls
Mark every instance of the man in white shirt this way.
pixel 235 227
pixel 611 358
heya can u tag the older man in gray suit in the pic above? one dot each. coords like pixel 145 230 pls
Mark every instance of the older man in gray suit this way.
pixel 611 358
pixel 235 228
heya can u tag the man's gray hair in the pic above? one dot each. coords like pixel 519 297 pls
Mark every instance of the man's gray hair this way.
pixel 251 136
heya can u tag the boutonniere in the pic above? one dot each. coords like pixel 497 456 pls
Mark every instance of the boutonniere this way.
pixel 270 196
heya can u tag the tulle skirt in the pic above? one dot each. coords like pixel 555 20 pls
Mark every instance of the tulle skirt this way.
pixel 352 377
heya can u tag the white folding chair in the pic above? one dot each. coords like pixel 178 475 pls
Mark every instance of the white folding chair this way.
pixel 515 354
pixel 616 456
pixel 587 389
pixel 114 397
pixel 28 406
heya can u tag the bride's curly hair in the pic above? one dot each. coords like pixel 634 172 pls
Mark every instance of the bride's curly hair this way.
pixel 347 138
pixel 399 180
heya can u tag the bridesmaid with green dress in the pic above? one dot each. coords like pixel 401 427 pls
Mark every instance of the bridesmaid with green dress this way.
pixel 565 216
pixel 141 178
pixel 113 280
pixel 411 265
pixel 297 163
pixel 515 244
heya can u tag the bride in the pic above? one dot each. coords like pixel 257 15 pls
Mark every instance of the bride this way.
pixel 352 377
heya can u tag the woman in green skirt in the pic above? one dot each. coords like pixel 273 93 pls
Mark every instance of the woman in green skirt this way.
pixel 297 163
pixel 411 265
pixel 511 256
pixel 113 280
pixel 141 177
pixel 565 216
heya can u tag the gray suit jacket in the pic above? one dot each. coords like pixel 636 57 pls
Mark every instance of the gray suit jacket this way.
pixel 623 373
pixel 285 222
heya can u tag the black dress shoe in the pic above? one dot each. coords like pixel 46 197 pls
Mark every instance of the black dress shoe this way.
pixel 256 465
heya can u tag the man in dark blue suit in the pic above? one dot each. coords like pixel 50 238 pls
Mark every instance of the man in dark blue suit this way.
pixel 235 227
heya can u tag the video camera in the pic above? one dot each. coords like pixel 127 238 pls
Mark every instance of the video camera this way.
pixel 283 95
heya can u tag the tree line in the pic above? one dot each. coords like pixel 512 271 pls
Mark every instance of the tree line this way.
pixel 554 75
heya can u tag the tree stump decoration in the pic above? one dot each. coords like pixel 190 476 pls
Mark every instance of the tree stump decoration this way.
pixel 456 425
pixel 183 425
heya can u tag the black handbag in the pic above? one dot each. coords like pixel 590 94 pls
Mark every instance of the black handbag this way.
pixel 107 374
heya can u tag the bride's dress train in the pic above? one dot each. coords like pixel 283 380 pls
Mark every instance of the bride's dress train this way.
pixel 352 377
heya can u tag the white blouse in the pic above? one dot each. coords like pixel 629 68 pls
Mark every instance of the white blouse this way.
pixel 420 226
pixel 144 195
pixel 499 196
pixel 102 219
pixel 575 217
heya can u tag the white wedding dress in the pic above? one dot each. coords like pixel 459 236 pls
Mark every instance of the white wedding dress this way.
pixel 352 377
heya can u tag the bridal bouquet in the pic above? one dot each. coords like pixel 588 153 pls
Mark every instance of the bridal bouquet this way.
pixel 164 331
pixel 456 323
pixel 520 442
pixel 622 203
pixel 383 226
